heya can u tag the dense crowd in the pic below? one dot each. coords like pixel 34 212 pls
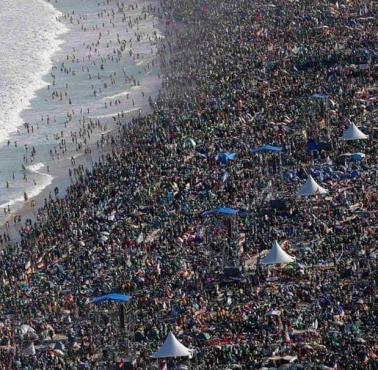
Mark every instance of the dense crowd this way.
pixel 236 75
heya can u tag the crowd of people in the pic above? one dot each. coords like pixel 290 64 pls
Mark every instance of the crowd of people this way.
pixel 236 75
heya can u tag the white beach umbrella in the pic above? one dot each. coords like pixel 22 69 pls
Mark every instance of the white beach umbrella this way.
pixel 172 348
pixel 353 133
pixel 311 187
pixel 276 255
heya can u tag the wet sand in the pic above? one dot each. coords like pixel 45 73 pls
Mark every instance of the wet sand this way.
pixel 69 117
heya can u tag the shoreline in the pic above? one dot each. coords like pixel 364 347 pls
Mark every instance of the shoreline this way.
pixel 213 219
pixel 62 181
pixel 53 32
pixel 59 169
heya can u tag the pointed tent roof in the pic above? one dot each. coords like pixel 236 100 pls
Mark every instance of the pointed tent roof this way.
pixel 276 255
pixel 172 348
pixel 353 133
pixel 311 187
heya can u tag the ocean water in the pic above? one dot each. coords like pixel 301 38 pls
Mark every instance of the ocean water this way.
pixel 63 65
pixel 29 36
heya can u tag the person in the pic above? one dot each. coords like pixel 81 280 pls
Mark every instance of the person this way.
pixel 235 77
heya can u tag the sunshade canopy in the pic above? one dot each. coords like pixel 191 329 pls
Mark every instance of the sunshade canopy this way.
pixel 224 157
pixel 276 255
pixel 113 297
pixel 267 149
pixel 353 133
pixel 311 187
pixel 172 348
pixel 320 96
pixel 224 211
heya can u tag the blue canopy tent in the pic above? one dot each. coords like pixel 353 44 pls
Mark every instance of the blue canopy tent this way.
pixel 112 297
pixel 228 214
pixel 224 211
pixel 320 96
pixel 267 149
pixel 224 157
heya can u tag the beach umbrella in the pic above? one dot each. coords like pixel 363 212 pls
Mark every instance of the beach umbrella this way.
pixel 356 157
pixel 320 96
pixel 224 211
pixel 276 255
pixel 353 133
pixel 311 187
pixel 172 348
pixel 225 157
pixel 113 297
pixel 267 149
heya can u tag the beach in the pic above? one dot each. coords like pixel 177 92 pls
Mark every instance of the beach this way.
pixel 234 224
pixel 98 67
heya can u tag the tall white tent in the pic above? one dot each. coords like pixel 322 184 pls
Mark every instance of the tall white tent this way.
pixel 311 187
pixel 353 133
pixel 172 348
pixel 276 255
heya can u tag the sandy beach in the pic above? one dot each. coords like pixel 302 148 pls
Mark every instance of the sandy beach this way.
pixel 104 71
pixel 234 226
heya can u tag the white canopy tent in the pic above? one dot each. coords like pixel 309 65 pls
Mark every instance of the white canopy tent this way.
pixel 353 133
pixel 311 187
pixel 276 255
pixel 172 348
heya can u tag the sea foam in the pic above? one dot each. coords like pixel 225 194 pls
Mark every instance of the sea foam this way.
pixel 27 44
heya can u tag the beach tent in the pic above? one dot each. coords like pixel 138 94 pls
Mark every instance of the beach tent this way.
pixel 276 255
pixel 224 157
pixel 113 297
pixel 311 187
pixel 172 348
pixel 353 133
pixel 223 211
pixel 267 149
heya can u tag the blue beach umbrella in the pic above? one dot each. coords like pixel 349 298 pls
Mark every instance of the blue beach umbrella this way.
pixel 113 297
pixel 356 157
pixel 320 96
pixel 224 211
pixel 224 157
pixel 267 149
